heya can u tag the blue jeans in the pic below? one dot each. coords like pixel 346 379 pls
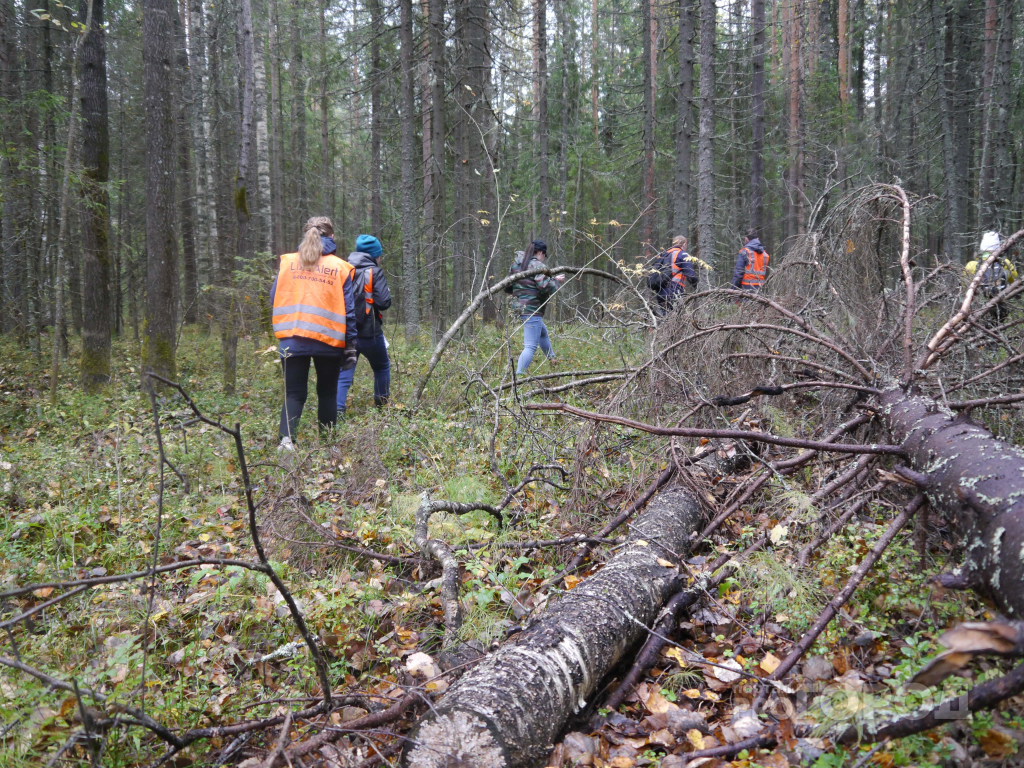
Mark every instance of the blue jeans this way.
pixel 376 353
pixel 535 334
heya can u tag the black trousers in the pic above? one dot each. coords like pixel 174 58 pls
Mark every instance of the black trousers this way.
pixel 296 386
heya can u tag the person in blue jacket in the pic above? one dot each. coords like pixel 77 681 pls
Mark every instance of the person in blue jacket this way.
pixel 372 298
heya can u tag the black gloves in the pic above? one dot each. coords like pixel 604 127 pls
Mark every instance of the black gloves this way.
pixel 349 355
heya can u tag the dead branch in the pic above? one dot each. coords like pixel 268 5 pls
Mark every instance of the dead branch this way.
pixel 728 434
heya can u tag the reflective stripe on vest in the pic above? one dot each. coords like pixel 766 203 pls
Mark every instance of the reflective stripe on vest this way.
pixel 311 303
pixel 677 271
pixel 757 268
pixel 368 291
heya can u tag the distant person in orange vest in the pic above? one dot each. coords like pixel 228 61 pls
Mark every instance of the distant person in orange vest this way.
pixel 315 320
pixel 670 272
pixel 751 264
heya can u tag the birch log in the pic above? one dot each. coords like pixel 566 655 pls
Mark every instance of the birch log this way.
pixel 508 710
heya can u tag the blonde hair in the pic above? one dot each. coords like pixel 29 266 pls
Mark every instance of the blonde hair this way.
pixel 310 249
pixel 679 241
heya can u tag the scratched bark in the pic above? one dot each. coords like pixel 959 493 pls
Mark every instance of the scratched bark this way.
pixel 977 482
pixel 507 711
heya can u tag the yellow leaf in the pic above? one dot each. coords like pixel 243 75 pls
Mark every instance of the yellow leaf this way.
pixel 204 537
pixel 641 543
pixel 665 563
pixel 676 655
pixel 770 663
pixel 571 581
pixel 712 696
pixel 691 693
pixel 43 592
pixel 157 616
pixel 778 533
pixel 696 738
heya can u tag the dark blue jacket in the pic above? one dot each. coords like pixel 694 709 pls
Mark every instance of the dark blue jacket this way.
pixel 369 324
pixel 300 345
pixel 742 262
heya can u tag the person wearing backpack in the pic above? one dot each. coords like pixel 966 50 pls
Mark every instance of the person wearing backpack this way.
pixel 751 264
pixel 998 276
pixel 671 271
pixel 314 319
pixel 372 297
pixel 531 295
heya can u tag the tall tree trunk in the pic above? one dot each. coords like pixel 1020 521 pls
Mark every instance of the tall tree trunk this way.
pixel 796 172
pixel 9 91
pixel 1000 138
pixel 326 177
pixel 682 214
pixel 427 138
pixel 186 209
pixel 265 242
pixel 567 44
pixel 161 243
pixel 757 110
pixel 243 251
pixel 843 14
pixel 297 71
pixel 877 76
pixel 593 71
pixel 206 230
pixel 95 363
pixel 649 213
pixel 706 140
pixel 376 204
pixel 540 88
pixel 276 139
pixel 216 223
pixel 437 126
pixel 410 220
pixel 986 217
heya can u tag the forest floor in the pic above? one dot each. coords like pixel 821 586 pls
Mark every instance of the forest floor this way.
pixel 81 488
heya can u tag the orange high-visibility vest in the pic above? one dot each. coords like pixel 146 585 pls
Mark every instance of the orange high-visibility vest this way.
pixel 368 290
pixel 311 303
pixel 677 271
pixel 757 268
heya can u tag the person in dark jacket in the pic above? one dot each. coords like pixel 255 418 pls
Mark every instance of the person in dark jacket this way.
pixel 315 321
pixel 751 264
pixel 372 297
pixel 531 295
pixel 672 269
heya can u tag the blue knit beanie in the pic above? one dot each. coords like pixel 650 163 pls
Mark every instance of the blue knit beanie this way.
pixel 369 245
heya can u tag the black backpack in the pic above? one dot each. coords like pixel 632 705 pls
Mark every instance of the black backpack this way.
pixel 660 272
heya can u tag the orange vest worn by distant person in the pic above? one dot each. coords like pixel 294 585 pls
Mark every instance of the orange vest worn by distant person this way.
pixel 757 268
pixel 311 303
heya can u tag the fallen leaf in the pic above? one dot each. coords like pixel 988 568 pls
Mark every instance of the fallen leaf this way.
pixel 942 666
pixel 770 663
pixel 778 533
pixel 43 592
pixel 665 563
pixel 727 675
pixel 572 581
pixel 677 656
pixel 997 744
pixel 657 704
pixel 696 738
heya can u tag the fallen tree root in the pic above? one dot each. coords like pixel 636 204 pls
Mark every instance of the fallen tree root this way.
pixel 507 710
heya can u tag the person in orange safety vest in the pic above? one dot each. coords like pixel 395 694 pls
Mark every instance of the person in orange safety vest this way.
pixel 314 320
pixel 751 264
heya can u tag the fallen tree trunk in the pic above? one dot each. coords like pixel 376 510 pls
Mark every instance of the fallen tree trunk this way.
pixel 507 711
pixel 977 482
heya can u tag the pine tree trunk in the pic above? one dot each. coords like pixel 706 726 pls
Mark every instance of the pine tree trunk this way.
pixel 706 140
pixel 186 208
pixel 9 91
pixel 1000 139
pixel 757 118
pixel 95 363
pixel 796 176
pixel 161 242
pixel 410 220
pixel 297 73
pixel 649 214
pixel 540 36
pixel 438 161
pixel 276 139
pixel 682 210
pixel 206 230
pixel 427 138
pixel 376 205
pixel 593 71
pixel 986 214
pixel 326 177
